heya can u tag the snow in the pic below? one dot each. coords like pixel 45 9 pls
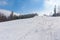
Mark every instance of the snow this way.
pixel 36 28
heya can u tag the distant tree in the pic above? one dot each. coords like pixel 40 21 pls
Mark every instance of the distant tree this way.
pixel 2 17
pixel 15 17
pixel 27 16
pixel 11 16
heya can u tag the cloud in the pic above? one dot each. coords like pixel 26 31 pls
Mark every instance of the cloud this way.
pixel 3 3
pixel 49 6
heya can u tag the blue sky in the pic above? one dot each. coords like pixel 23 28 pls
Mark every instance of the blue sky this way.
pixel 22 6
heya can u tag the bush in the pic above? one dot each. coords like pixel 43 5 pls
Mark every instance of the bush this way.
pixel 27 16
pixel 2 17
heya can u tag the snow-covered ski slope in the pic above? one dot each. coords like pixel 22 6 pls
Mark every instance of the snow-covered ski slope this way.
pixel 37 28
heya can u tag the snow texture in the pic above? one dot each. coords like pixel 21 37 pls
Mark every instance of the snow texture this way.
pixel 37 28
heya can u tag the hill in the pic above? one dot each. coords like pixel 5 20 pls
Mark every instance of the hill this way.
pixel 36 28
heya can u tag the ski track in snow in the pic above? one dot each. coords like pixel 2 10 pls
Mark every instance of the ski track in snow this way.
pixel 37 28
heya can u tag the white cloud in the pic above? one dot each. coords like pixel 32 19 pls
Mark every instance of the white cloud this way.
pixel 51 3
pixel 3 3
pixel 49 6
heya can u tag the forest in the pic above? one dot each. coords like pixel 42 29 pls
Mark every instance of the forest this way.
pixel 14 17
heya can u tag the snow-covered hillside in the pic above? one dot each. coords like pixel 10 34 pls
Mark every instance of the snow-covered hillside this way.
pixel 36 28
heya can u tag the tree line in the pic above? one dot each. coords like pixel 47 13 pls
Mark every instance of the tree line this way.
pixel 14 17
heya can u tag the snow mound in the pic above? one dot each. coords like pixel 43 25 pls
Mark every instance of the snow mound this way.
pixel 37 28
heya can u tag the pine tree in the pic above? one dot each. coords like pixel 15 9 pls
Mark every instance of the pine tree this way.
pixel 11 16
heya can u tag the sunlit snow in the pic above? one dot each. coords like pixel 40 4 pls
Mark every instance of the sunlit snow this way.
pixel 37 28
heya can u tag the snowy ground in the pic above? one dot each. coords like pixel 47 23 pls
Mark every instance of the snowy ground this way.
pixel 37 28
